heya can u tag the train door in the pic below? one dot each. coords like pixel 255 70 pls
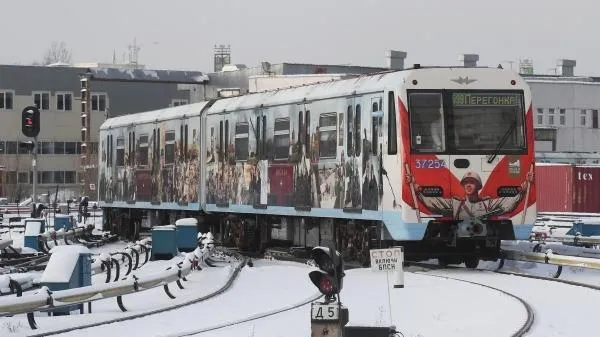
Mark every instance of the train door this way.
pixel 222 181
pixel 260 175
pixel 352 158
pixel 301 159
pixel 372 184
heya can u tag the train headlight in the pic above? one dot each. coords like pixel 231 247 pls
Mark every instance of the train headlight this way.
pixel 432 191
pixel 508 191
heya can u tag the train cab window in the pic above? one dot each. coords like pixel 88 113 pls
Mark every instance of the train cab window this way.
pixel 426 122
pixel 120 151
pixel 241 141
pixel 341 129
pixel 484 121
pixel 169 147
pixel 281 138
pixel 327 135
pixel 143 150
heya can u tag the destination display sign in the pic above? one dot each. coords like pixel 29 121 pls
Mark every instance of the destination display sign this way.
pixel 479 99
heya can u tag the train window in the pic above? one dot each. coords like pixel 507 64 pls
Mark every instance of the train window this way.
pixel 181 151
pixel 226 139
pixel 221 148
pixel 307 131
pixel 481 121
pixel 169 147
pixel 375 134
pixel 185 142
pixel 241 141
pixel 392 129
pixel 264 137
pixel 327 135
pixel 357 131
pixel 281 138
pixel 426 122
pixel 143 150
pixel 120 151
pixel 257 136
pixel 157 147
pixel 341 130
pixel 349 129
pixel 300 128
pixel 132 153
pixel 106 156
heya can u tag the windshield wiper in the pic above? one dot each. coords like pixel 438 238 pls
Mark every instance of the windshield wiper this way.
pixel 502 142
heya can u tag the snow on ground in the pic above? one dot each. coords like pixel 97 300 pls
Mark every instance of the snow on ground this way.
pixel 428 306
pixel 560 309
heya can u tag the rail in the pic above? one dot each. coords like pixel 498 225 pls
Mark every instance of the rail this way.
pixel 550 258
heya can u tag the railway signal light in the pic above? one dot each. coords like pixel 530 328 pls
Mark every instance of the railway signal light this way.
pixel 30 121
pixel 329 278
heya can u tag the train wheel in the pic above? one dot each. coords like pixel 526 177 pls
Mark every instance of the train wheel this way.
pixel 471 262
pixel 444 261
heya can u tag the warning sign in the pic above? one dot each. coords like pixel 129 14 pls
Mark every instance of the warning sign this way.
pixel 389 259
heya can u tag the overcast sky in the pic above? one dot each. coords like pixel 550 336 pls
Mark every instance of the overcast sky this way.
pixel 180 34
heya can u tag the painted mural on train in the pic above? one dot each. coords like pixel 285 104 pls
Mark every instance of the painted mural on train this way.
pixel 295 158
pixel 151 164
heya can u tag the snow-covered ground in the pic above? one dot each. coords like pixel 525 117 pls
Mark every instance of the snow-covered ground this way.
pixel 428 306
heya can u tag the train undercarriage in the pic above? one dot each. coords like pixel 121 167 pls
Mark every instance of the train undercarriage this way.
pixel 257 234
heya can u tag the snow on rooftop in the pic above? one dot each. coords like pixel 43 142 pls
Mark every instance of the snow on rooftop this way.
pixel 186 222
pixel 62 262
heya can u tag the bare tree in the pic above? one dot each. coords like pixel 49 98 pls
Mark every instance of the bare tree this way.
pixel 57 52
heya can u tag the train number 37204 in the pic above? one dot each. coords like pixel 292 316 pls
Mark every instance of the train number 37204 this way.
pixel 429 163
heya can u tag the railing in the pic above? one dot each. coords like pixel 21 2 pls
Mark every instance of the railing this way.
pixel 47 300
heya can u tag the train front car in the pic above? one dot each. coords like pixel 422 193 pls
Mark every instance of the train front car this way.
pixel 467 162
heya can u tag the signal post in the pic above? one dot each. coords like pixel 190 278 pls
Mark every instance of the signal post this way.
pixel 328 318
pixel 30 127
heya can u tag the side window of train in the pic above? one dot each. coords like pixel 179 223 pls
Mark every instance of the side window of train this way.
pixel 281 138
pixel 257 136
pixel 143 150
pixel 358 133
pixel 349 130
pixel 120 151
pixel 181 150
pixel 106 157
pixel 185 146
pixel 221 149
pixel 264 137
pixel 392 129
pixel 375 126
pixel 241 140
pixel 132 151
pixel 170 147
pixel 341 130
pixel 226 139
pixel 327 135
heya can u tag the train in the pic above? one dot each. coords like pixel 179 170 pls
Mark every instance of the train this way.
pixel 439 160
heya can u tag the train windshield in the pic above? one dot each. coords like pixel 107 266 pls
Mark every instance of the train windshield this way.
pixel 475 122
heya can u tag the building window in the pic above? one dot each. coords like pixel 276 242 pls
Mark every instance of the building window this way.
pixel 59 177
pixel 6 100
pixel 42 100
pixel 551 116
pixel 169 147
pixel 562 116
pixel 23 178
pixel 64 101
pixel 540 116
pixel 281 138
pixel 120 151
pixel 327 135
pixel 70 147
pixel 69 177
pixel 143 150
pixel 178 102
pixel 99 102
pixel 241 141
pixel 583 120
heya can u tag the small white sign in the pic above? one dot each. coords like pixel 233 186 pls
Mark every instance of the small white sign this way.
pixel 92 187
pixel 389 259
pixel 325 312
